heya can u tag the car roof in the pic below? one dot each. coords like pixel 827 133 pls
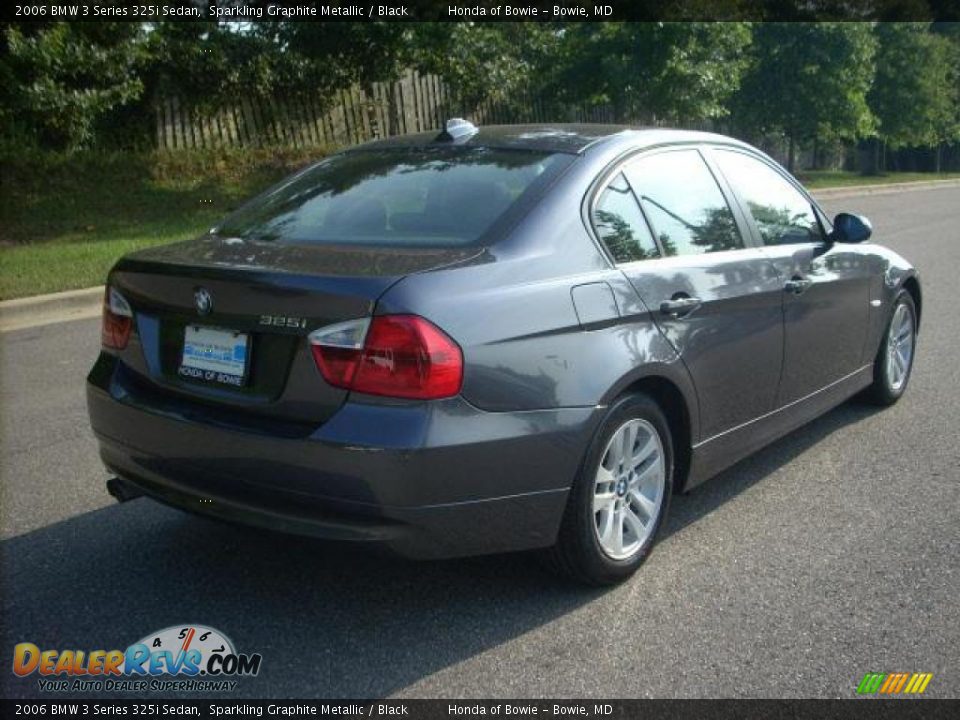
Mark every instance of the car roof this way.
pixel 554 137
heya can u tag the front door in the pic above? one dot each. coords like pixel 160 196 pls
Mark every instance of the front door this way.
pixel 826 290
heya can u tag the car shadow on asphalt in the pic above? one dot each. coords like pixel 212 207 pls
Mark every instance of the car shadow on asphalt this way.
pixel 704 499
pixel 329 621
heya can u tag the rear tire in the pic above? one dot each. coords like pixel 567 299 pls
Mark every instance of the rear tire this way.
pixel 621 495
pixel 893 363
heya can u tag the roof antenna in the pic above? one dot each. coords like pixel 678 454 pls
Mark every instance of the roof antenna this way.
pixel 457 128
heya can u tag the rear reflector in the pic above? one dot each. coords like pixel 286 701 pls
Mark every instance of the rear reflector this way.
pixel 117 320
pixel 401 356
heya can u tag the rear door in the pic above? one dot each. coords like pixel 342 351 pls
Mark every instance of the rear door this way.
pixel 667 223
pixel 826 291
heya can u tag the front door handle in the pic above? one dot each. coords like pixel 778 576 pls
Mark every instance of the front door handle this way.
pixel 680 306
pixel 796 285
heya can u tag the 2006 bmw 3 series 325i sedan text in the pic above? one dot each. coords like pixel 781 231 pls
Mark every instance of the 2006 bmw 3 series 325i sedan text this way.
pixel 494 339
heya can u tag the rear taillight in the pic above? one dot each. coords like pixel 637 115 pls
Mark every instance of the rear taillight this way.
pixel 117 320
pixel 394 355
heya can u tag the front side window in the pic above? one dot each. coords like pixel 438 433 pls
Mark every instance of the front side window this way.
pixel 620 224
pixel 425 197
pixel 684 204
pixel 782 214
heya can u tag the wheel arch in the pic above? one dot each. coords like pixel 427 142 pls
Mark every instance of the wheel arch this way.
pixel 912 286
pixel 676 407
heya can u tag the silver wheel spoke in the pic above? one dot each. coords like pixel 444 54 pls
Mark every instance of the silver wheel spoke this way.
pixel 646 505
pixel 606 525
pixel 629 440
pixel 615 452
pixel 616 532
pixel 601 501
pixel 634 524
pixel 645 450
pixel 905 323
pixel 605 479
pixel 650 473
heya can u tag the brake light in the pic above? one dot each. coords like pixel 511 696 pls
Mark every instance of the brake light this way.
pixel 402 356
pixel 117 320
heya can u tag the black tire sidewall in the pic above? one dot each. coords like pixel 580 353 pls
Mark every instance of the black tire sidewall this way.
pixel 593 561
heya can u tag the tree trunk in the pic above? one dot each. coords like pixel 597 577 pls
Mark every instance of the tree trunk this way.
pixel 938 157
pixel 790 152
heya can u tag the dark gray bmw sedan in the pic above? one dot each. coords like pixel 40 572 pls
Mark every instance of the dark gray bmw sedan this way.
pixel 489 340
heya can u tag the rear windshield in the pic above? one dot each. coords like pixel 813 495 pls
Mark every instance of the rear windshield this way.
pixel 426 197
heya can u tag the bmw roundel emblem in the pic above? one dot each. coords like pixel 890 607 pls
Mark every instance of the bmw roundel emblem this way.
pixel 203 300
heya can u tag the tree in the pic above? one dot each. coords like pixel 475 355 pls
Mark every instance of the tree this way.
pixel 915 94
pixel 808 81
pixel 673 72
pixel 61 79
pixel 485 61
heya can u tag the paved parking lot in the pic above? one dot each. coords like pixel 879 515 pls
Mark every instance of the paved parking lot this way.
pixel 834 552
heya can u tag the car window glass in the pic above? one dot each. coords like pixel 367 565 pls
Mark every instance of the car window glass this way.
pixel 782 214
pixel 684 204
pixel 433 197
pixel 620 223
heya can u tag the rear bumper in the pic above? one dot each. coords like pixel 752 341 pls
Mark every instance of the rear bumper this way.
pixel 426 480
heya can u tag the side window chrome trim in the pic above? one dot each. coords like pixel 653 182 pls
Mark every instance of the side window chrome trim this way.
pixel 616 166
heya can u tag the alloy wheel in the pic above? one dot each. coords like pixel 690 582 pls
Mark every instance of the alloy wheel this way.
pixel 899 347
pixel 629 489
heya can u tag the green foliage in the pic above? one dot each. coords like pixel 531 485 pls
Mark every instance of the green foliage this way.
pixel 809 80
pixel 61 78
pixel 205 62
pixel 917 86
pixel 485 60
pixel 326 57
pixel 667 71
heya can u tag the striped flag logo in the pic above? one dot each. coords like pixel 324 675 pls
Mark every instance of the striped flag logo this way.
pixel 894 683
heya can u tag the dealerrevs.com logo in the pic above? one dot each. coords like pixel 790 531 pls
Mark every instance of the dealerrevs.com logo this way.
pixel 178 658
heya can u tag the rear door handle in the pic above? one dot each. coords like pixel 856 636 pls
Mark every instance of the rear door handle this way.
pixel 680 307
pixel 796 285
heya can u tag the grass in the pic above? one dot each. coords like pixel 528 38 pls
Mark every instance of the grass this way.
pixel 820 179
pixel 66 220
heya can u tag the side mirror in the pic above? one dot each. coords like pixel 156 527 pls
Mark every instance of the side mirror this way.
pixel 849 228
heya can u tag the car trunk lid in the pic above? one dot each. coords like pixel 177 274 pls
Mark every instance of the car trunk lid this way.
pixel 266 297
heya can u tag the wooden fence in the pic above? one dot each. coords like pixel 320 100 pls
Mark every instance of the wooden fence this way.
pixel 414 103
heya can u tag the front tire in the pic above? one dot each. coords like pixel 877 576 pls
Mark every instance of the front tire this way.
pixel 894 361
pixel 620 497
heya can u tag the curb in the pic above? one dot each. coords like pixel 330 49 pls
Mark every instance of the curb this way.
pixel 882 189
pixel 79 304
pixel 46 309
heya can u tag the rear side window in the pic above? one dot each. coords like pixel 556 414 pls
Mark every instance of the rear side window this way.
pixel 683 203
pixel 426 197
pixel 620 224
pixel 782 214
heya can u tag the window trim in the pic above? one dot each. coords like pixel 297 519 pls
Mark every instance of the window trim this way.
pixel 646 221
pixel 818 213
pixel 616 166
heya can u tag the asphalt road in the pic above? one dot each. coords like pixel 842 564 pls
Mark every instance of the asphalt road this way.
pixel 834 552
